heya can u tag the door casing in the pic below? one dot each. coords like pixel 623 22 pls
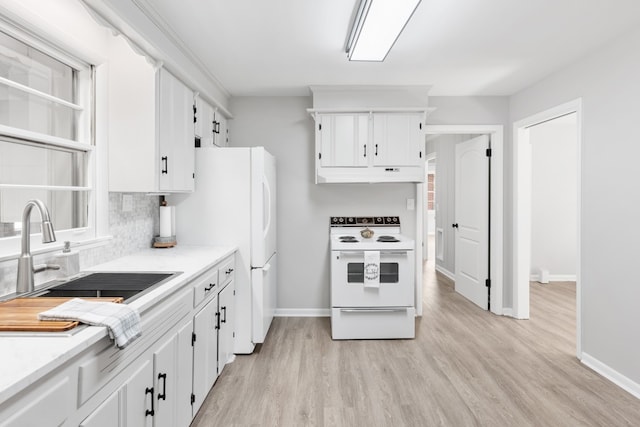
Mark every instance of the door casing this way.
pixel 522 210
pixel 497 206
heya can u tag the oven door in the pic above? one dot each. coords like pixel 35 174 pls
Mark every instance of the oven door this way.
pixel 396 280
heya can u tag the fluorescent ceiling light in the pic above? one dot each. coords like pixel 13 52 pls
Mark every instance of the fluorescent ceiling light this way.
pixel 376 28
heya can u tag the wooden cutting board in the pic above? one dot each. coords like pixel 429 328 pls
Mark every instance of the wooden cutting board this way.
pixel 21 314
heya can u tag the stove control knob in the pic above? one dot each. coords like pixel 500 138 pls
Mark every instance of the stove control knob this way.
pixel 389 220
pixel 341 219
pixel 379 220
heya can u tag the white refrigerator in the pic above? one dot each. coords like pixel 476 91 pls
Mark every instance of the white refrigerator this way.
pixel 234 203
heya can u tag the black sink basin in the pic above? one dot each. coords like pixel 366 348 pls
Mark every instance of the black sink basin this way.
pixel 125 285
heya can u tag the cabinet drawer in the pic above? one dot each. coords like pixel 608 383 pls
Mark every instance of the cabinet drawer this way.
pixel 227 271
pixel 204 286
pixel 47 405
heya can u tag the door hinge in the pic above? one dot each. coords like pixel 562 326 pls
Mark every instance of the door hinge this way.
pixel 420 126
pixel 421 154
pixel 194 175
pixel 234 334
pixel 488 152
pixel 320 126
pixel 195 110
pixel 319 156
pixel 487 283
pixel 193 398
pixel 193 338
pixel 234 292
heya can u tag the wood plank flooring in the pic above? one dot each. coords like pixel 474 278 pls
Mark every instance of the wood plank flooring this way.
pixel 466 367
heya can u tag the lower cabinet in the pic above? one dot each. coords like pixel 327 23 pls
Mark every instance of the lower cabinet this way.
pixel 160 380
pixel 157 394
pixel 205 352
pixel 226 332
pixel 131 405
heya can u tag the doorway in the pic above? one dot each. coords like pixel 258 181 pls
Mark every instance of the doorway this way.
pixel 496 204
pixel 522 209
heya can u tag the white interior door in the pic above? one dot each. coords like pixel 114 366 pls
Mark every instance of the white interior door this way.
pixel 472 219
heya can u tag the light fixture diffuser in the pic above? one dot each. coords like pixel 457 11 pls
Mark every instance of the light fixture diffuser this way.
pixel 377 26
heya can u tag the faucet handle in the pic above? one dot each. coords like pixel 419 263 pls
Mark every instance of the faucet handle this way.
pixel 42 267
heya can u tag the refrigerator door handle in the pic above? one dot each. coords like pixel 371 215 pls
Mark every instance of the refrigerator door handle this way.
pixel 267 204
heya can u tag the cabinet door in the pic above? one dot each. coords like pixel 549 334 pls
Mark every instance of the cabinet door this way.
pixel 184 375
pixel 107 414
pixel 220 131
pixel 165 380
pixel 343 140
pixel 176 134
pixel 225 337
pixel 398 139
pixel 208 125
pixel 139 397
pixel 205 351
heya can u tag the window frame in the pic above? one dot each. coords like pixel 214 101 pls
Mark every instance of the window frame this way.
pixel 85 141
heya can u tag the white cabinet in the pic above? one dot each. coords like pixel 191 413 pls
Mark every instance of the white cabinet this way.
pixel 107 414
pixel 130 405
pixel 343 140
pixel 149 125
pixel 221 130
pixel 165 383
pixel 226 331
pixel 184 375
pixel 205 352
pixel 176 134
pixel 138 404
pixel 210 125
pixel 398 139
pixel 370 146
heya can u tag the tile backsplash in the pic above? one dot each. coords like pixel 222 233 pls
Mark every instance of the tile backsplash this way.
pixel 132 231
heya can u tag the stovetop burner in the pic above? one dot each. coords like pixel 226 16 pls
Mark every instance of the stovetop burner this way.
pixel 348 238
pixel 389 239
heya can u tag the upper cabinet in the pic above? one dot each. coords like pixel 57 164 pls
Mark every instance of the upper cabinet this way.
pixel 369 146
pixel 150 126
pixel 210 125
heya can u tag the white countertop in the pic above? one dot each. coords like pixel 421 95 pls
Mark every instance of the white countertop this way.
pixel 25 359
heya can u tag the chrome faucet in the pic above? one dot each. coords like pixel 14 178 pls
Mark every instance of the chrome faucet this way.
pixel 25 262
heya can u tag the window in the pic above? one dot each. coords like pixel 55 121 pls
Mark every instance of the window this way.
pixel 45 137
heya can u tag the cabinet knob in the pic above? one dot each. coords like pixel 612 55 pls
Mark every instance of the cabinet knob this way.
pixel 454 225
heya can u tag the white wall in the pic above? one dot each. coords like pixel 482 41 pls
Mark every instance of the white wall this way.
pixel 607 81
pixel 554 198
pixel 284 128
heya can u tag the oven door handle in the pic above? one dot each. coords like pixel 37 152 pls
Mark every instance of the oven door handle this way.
pixel 373 310
pixel 361 253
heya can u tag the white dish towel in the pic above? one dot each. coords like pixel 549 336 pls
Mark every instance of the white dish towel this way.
pixel 122 321
pixel 371 269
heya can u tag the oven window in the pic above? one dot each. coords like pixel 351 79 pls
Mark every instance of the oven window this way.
pixel 388 272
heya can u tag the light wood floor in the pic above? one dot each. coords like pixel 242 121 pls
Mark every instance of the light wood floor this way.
pixel 466 367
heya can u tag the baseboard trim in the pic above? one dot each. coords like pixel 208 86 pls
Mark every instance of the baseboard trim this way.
pixel 303 312
pixel 507 312
pixel 446 273
pixel 554 278
pixel 612 375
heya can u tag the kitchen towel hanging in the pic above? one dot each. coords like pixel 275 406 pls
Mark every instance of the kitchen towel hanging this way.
pixel 122 321
pixel 371 269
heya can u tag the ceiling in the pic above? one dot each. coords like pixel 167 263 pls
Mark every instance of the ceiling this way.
pixel 461 47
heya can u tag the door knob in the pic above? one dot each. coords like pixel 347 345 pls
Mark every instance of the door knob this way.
pixel 455 225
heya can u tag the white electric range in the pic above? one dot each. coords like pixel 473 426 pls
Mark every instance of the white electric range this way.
pixel 372 279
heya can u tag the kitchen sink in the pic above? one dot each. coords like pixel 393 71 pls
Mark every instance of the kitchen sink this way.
pixel 128 285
